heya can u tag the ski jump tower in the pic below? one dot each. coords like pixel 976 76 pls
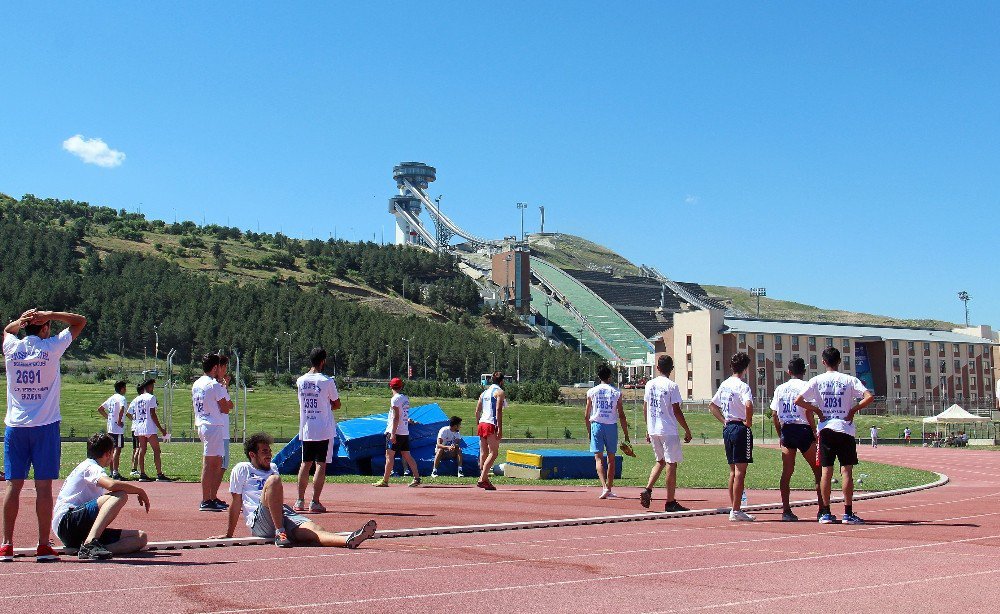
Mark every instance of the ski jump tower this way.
pixel 412 179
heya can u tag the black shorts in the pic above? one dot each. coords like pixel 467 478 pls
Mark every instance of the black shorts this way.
pixel 797 437
pixel 402 443
pixel 315 451
pixel 836 445
pixel 119 439
pixel 76 524
pixel 135 440
pixel 739 443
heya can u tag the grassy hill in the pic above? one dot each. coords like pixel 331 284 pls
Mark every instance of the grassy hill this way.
pixel 572 252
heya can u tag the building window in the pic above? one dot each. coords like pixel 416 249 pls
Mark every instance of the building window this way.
pixel 912 363
pixel 812 362
pixel 795 343
pixel 927 349
pixel 913 381
pixel 955 349
pixel 895 364
pixel 742 340
pixel 777 342
pixel 718 383
pixel 927 396
pixel 847 363
pixel 944 366
pixel 760 340
pixel 718 365
pixel 958 366
pixel 940 348
pixel 972 366
pixel 689 342
pixel 972 351
pixel 909 347
pixel 716 348
pixel 958 383
pixel 899 395
pixel 913 395
pixel 812 344
pixel 960 396
pixel 779 360
pixel 847 346
pixel 760 358
pixel 829 342
pixel 972 381
pixel 927 381
pixel 944 385
pixel 895 346
pixel 927 364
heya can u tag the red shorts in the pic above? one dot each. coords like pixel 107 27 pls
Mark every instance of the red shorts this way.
pixel 486 429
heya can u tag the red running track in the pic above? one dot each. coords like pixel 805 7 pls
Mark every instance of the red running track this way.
pixel 932 549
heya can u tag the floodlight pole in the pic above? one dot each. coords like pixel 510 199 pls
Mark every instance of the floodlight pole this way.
pixel 758 292
pixel 522 207
pixel 407 356
pixel 965 298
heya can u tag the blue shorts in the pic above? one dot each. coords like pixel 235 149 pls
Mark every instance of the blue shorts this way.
pixel 797 437
pixel 25 447
pixel 75 525
pixel 603 437
pixel 739 443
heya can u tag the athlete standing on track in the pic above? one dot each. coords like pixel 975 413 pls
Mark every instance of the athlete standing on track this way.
pixel 318 399
pixel 601 415
pixel 489 417
pixel 830 396
pixel 257 493
pixel 211 402
pixel 31 439
pixel 397 434
pixel 733 406
pixel 114 411
pixel 662 406
pixel 145 425
pixel 796 430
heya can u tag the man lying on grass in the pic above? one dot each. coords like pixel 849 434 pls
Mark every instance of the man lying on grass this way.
pixel 90 501
pixel 258 493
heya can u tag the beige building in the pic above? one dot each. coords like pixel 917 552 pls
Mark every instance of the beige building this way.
pixel 907 367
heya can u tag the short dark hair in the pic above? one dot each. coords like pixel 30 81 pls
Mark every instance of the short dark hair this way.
pixel 254 441
pixel 831 356
pixel 797 367
pixel 317 356
pixel 740 362
pixel 604 373
pixel 497 377
pixel 455 421
pixel 665 364
pixel 209 362
pixel 34 329
pixel 120 386
pixel 140 387
pixel 99 444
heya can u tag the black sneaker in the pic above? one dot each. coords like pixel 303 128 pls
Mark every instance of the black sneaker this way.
pixel 281 539
pixel 646 498
pixel 93 551
pixel 673 506
pixel 117 476
pixel 788 516
pixel 145 478
pixel 361 534
pixel 210 506
pixel 162 478
pixel 221 503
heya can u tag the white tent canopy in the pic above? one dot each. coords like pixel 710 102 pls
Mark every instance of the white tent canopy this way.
pixel 954 415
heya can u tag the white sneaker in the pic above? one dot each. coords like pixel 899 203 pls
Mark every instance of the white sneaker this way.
pixel 740 516
pixel 604 494
pixel 461 473
pixel 434 473
pixel 612 495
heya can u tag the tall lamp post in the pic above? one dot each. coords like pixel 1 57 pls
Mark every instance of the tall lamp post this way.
pixel 289 348
pixel 758 292
pixel 579 339
pixel 965 298
pixel 548 326
pixel 522 207
pixel 388 353
pixel 409 372
pixel 156 346
pixel 277 348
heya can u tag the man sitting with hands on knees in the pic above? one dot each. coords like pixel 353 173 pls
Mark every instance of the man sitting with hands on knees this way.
pixel 258 493
pixel 89 502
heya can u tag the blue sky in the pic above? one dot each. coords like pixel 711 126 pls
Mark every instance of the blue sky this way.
pixel 840 156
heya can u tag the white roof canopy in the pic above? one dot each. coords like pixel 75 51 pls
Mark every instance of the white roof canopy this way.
pixel 954 415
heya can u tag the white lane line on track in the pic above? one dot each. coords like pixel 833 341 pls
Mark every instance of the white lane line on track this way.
pixel 517 587
pixel 397 570
pixel 813 594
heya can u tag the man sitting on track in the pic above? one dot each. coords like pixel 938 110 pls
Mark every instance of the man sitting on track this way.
pixel 831 397
pixel 89 502
pixel 796 432
pixel 257 493
pixel 489 416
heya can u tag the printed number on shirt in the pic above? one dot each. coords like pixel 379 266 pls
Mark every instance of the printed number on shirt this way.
pixel 28 377
pixel 830 402
pixel 310 403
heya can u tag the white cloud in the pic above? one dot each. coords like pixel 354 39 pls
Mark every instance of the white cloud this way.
pixel 93 151
pixel 691 199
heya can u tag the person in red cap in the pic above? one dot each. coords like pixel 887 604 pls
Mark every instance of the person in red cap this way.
pixel 397 434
